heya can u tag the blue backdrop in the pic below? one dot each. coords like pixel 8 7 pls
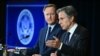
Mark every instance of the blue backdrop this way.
pixel 13 12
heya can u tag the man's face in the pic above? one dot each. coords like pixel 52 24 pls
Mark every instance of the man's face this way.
pixel 50 15
pixel 64 20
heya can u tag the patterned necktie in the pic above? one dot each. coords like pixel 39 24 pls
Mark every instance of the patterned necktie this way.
pixel 67 37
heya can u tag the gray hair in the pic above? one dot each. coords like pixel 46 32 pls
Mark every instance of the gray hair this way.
pixel 69 10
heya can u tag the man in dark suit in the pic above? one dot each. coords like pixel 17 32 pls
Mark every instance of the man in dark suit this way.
pixel 46 33
pixel 75 41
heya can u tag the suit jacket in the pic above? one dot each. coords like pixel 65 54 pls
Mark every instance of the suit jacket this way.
pixel 78 45
pixel 39 48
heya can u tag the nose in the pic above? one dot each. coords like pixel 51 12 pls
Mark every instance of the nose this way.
pixel 59 22
pixel 49 16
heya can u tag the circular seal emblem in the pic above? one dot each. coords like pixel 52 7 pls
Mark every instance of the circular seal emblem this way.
pixel 25 26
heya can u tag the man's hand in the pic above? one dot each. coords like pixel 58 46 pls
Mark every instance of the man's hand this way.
pixel 36 55
pixel 53 54
pixel 53 43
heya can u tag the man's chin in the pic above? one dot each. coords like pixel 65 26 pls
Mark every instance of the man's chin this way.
pixel 51 23
pixel 63 28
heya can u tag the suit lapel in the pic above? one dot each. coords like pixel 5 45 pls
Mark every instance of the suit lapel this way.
pixel 52 34
pixel 43 36
pixel 45 31
pixel 74 36
pixel 54 30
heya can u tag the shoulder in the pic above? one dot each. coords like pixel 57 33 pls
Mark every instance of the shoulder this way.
pixel 44 28
pixel 57 26
pixel 81 29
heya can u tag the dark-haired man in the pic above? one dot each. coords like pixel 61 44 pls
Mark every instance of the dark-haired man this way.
pixel 75 41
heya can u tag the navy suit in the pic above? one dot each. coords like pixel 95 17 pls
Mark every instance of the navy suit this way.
pixel 78 45
pixel 39 49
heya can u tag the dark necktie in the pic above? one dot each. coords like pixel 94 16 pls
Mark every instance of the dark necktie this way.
pixel 48 34
pixel 67 37
pixel 47 38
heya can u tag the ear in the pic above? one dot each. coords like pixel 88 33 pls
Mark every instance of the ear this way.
pixel 72 19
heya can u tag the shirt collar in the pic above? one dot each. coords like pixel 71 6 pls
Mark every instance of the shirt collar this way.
pixel 72 29
pixel 52 26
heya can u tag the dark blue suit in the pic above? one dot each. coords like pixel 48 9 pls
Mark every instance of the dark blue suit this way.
pixel 78 45
pixel 39 49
